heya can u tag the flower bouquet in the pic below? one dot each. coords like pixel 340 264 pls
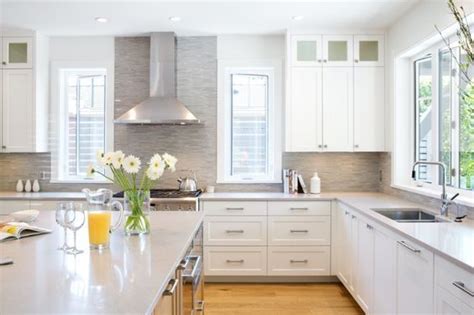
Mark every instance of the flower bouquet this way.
pixel 125 171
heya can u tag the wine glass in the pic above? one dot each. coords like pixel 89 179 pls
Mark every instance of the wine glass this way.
pixel 76 224
pixel 64 216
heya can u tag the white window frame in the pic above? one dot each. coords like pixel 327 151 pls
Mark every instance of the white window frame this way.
pixel 272 68
pixel 403 157
pixel 57 120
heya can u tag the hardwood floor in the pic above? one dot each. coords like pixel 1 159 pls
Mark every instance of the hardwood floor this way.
pixel 278 299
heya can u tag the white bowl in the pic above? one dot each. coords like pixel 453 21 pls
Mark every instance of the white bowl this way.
pixel 25 215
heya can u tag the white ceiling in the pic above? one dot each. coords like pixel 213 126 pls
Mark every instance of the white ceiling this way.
pixel 74 17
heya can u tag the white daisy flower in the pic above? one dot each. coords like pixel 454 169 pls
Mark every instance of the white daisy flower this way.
pixel 117 159
pixel 170 161
pixel 90 171
pixel 108 158
pixel 154 174
pixel 156 162
pixel 131 164
pixel 100 157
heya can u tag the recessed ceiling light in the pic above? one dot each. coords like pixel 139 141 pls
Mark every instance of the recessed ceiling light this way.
pixel 174 18
pixel 297 17
pixel 101 19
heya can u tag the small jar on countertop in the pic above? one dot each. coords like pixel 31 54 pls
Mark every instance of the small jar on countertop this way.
pixel 315 184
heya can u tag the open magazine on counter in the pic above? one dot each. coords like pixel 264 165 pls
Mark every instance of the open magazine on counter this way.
pixel 17 230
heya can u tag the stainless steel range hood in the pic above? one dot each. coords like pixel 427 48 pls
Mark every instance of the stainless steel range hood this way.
pixel 162 107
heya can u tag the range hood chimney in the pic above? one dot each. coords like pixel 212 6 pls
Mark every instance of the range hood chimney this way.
pixel 162 107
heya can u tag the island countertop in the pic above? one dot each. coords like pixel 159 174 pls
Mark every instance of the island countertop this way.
pixel 130 277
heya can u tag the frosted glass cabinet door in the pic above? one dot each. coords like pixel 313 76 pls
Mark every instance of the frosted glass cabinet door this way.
pixel 338 50
pixel 17 53
pixel 369 50
pixel 306 50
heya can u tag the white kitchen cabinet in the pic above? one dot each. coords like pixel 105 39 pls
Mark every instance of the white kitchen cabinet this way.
pixel 415 283
pixel 1 111
pixel 17 52
pixel 385 273
pixel 338 50
pixel 364 273
pixel 304 118
pixel 368 50
pixel 344 263
pixel 18 111
pixel 337 108
pixel 235 260
pixel 448 304
pixel 299 230
pixel 306 50
pixel 9 206
pixel 369 109
pixel 297 208
pixel 235 230
pixel 294 260
pixel 235 208
pixel 353 252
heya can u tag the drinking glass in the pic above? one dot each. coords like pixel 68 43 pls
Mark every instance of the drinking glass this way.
pixel 75 225
pixel 64 216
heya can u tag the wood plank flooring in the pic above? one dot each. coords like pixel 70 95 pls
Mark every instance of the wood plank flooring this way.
pixel 278 299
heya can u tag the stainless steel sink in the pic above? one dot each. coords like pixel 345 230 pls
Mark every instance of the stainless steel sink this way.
pixel 409 215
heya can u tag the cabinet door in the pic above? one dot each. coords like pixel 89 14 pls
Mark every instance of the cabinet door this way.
pixel 385 273
pixel 365 265
pixel 368 50
pixel 353 251
pixel 338 50
pixel 305 114
pixel 345 263
pixel 17 53
pixel 306 50
pixel 415 281
pixel 18 123
pixel 338 100
pixel 369 109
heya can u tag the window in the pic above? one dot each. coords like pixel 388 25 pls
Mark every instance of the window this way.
pixel 249 148
pixel 82 123
pixel 444 107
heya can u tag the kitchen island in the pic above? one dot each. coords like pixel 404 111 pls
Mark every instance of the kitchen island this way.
pixel 129 277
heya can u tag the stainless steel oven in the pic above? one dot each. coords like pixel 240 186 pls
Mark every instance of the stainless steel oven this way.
pixel 193 278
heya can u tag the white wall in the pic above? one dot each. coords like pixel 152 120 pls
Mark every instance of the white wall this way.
pixel 251 47
pixel 81 48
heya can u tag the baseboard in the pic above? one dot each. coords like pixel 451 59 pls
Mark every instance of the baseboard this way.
pixel 271 279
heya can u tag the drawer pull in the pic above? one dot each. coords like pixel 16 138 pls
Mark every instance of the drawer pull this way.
pixel 346 212
pixel 460 285
pixel 235 209
pixel 295 209
pixel 234 231
pixel 409 247
pixel 354 217
pixel 370 227
pixel 305 261
pixel 173 284
pixel 298 231
pixel 230 261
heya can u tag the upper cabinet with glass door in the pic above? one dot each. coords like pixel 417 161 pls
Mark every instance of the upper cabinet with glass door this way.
pixel 306 50
pixel 337 50
pixel 17 53
pixel 369 50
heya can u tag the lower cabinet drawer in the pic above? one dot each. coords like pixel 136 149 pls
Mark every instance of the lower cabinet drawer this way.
pixel 296 261
pixel 239 231
pixel 235 261
pixel 299 230
pixel 456 280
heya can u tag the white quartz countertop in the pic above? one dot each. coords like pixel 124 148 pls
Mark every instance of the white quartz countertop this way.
pixel 11 195
pixel 130 277
pixel 454 241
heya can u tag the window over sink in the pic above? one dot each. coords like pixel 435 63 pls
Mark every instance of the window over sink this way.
pixel 249 148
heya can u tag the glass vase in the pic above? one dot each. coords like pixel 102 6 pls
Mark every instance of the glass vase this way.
pixel 137 210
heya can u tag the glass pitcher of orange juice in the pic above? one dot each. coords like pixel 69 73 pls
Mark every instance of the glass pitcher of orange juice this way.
pixel 99 216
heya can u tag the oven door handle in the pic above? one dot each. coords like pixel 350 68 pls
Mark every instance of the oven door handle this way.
pixel 197 265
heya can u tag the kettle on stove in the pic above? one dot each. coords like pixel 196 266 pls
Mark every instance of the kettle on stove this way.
pixel 188 183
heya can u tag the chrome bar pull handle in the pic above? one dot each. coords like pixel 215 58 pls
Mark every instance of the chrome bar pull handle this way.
pixel 461 286
pixel 298 231
pixel 295 209
pixel 234 209
pixel 173 284
pixel 239 261
pixel 304 261
pixel 409 247
pixel 234 231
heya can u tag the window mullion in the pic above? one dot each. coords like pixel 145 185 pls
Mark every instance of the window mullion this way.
pixel 455 120
pixel 435 114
